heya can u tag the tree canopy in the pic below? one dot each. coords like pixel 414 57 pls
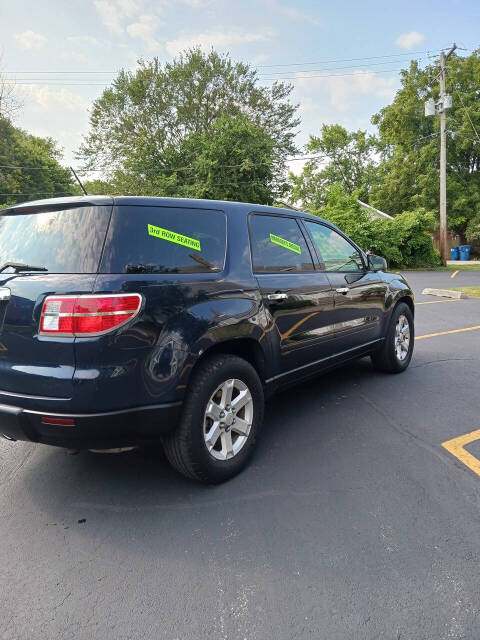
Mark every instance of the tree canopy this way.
pixel 408 176
pixel 147 120
pixel 345 158
pixel 404 241
pixel 235 160
pixel 44 176
pixel 398 170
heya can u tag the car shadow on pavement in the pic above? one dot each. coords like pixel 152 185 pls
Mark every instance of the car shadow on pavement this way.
pixel 142 481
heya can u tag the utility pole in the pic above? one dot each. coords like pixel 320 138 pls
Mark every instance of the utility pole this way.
pixel 431 108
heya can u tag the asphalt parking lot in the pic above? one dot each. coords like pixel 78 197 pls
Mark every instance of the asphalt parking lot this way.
pixel 353 521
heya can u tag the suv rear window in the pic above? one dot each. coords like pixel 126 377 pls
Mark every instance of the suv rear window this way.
pixel 164 240
pixel 66 241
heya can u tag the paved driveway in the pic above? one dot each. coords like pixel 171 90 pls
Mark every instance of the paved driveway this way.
pixel 353 521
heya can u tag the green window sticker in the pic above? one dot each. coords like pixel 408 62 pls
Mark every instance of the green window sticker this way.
pixel 291 246
pixel 171 236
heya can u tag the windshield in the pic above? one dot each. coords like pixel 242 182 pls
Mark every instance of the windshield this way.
pixel 66 241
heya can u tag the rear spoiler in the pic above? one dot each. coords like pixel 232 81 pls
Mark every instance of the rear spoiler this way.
pixel 58 204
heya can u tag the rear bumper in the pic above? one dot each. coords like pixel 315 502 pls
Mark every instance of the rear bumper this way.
pixel 123 428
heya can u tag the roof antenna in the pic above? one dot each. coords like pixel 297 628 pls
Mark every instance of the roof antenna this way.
pixel 79 182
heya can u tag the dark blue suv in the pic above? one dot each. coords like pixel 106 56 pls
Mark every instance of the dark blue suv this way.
pixel 129 320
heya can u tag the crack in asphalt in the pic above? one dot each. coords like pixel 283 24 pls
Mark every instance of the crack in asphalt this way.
pixel 175 506
pixel 424 364
pixel 403 430
pixel 10 476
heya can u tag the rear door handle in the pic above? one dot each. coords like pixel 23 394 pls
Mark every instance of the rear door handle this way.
pixel 4 294
pixel 277 296
pixel 342 290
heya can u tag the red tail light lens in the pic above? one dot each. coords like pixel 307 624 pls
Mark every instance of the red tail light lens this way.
pixel 80 316
pixel 58 422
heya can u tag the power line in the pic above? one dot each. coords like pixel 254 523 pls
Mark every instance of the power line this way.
pixel 468 115
pixel 191 167
pixel 11 166
pixel 64 72
pixel 366 64
pixel 58 83
pixel 260 75
pixel 87 82
pixel 457 133
pixel 262 66
pixel 453 133
pixel 38 193
pixel 392 55
pixel 265 76
pixel 69 193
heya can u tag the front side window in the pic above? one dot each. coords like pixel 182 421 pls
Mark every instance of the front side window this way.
pixel 278 245
pixel 164 240
pixel 335 252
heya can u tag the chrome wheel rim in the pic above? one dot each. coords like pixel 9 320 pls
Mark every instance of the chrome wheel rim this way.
pixel 228 419
pixel 402 338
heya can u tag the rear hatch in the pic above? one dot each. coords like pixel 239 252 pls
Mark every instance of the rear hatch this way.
pixel 57 246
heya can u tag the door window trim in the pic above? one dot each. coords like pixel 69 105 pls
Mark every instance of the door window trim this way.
pixel 302 232
pixel 342 235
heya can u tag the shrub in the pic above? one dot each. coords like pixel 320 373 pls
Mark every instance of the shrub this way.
pixel 404 241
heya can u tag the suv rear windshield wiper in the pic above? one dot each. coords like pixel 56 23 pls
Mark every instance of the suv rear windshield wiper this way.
pixel 18 267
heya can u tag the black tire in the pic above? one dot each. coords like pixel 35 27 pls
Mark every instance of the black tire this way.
pixel 386 359
pixel 185 448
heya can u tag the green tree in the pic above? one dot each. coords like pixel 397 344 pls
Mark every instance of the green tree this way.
pixel 404 241
pixel 141 124
pixel 408 174
pixel 44 177
pixel 345 158
pixel 235 160
pixel 96 187
pixel 9 103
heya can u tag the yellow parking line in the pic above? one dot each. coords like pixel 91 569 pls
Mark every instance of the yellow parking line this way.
pixel 455 447
pixel 444 333
pixel 454 274
pixel 439 301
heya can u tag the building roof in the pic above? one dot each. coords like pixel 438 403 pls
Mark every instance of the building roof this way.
pixel 375 212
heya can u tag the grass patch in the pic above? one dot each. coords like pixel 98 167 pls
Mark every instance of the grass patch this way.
pixel 462 267
pixel 472 292
pixel 449 267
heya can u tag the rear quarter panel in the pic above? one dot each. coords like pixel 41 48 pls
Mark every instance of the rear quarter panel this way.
pixel 32 365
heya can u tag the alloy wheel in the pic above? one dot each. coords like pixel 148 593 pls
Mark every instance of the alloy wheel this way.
pixel 228 419
pixel 402 338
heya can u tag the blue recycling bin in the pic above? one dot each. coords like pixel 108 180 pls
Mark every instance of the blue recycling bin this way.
pixel 454 253
pixel 465 251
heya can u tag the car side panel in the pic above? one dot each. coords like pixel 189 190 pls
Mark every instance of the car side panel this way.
pixel 361 311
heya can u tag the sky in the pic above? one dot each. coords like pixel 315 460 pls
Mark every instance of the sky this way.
pixel 343 58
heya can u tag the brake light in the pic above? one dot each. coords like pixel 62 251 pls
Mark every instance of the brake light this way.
pixel 90 315
pixel 58 422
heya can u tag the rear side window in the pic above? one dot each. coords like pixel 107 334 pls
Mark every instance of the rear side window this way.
pixel 278 245
pixel 164 240
pixel 66 241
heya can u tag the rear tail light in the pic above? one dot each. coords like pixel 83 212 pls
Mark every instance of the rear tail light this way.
pixel 91 315
pixel 58 422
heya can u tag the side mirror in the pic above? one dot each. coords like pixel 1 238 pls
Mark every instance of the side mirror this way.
pixel 377 263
